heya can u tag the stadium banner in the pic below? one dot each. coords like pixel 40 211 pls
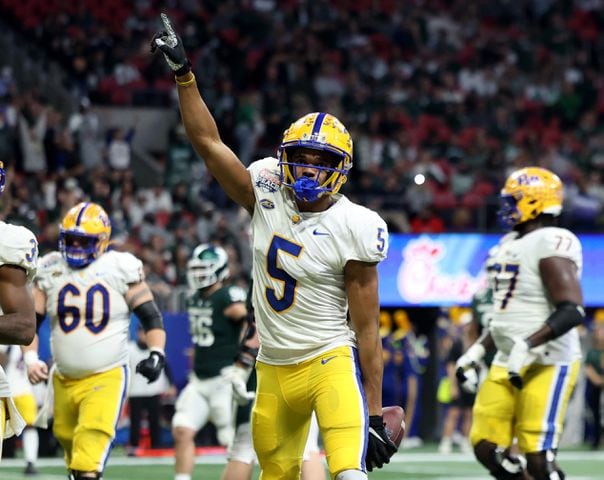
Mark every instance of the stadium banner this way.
pixel 442 270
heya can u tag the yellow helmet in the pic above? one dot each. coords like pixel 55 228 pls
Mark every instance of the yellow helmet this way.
pixel 528 193
pixel 2 177
pixel 317 131
pixel 84 234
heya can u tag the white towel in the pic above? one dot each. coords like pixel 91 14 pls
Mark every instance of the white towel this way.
pixel 46 411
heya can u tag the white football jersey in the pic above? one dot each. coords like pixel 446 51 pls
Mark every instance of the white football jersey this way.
pixel 88 311
pixel 299 296
pixel 521 303
pixel 18 246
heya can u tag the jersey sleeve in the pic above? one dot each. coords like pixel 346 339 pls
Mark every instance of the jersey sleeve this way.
pixel 19 247
pixel 368 237
pixel 48 266
pixel 129 268
pixel 559 242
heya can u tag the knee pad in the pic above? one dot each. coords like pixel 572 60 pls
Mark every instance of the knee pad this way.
pixel 351 475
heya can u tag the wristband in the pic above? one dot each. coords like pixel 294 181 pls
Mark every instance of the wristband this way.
pixel 186 83
pixel 158 350
pixel 30 358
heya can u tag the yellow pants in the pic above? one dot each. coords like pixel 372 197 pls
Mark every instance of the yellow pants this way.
pixel 535 414
pixel 26 404
pixel 86 411
pixel 329 384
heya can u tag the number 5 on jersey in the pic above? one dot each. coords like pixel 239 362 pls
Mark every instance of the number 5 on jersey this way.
pixel 286 300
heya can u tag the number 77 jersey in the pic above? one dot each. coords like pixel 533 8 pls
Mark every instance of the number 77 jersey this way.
pixel 521 303
pixel 299 295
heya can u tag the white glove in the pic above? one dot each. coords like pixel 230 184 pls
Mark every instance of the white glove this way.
pixel 518 357
pixel 238 377
pixel 467 368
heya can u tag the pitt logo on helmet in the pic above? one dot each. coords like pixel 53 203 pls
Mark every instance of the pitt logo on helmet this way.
pixel 316 131
pixel 528 193
pixel 84 234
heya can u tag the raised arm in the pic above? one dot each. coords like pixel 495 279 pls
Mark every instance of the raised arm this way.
pixel 199 123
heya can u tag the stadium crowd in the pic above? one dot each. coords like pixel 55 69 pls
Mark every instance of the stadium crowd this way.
pixel 441 109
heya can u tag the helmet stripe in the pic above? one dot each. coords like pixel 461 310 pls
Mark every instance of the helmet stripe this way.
pixel 316 128
pixel 79 219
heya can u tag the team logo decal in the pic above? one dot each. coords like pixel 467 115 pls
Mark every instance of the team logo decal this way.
pixel 266 203
pixel 268 181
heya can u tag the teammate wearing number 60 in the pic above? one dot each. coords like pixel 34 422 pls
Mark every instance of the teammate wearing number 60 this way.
pixel 89 294
pixel 315 260
pixel 534 274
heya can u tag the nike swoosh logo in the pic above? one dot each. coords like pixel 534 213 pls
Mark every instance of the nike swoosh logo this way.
pixel 317 232
pixel 325 360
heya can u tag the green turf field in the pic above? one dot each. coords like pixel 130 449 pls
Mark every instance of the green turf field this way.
pixel 424 465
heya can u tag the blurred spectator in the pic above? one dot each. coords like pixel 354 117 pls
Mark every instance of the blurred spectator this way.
pixel 32 129
pixel 594 371
pixel 119 150
pixel 84 125
pixel 459 409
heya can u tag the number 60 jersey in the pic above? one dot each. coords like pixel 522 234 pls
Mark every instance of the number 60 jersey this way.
pixel 521 303
pixel 298 268
pixel 88 311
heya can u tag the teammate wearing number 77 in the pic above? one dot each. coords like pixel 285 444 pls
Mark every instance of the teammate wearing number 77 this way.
pixel 315 256
pixel 534 274
pixel 89 294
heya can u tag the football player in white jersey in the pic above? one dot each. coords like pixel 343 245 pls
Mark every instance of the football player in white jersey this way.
pixel 534 274
pixel 315 256
pixel 18 259
pixel 89 294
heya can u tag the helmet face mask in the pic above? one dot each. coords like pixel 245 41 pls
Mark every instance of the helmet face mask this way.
pixel 208 265
pixel 528 193
pixel 320 132
pixel 84 234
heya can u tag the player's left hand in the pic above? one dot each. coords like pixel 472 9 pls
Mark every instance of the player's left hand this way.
pixel 152 366
pixel 379 448
pixel 171 46
pixel 516 360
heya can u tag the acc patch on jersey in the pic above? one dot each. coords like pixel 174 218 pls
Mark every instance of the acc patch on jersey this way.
pixel 266 203
pixel 267 181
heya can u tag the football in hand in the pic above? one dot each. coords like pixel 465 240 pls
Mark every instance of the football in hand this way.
pixel 394 418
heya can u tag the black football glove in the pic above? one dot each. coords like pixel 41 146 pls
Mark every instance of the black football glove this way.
pixel 171 46
pixel 379 448
pixel 151 367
